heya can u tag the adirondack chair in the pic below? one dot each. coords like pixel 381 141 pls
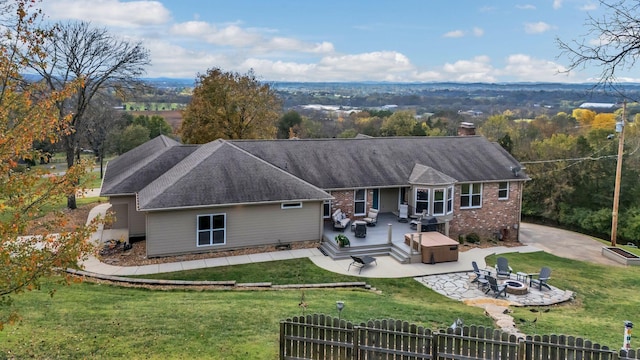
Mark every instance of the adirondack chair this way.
pixel 542 278
pixel 503 270
pixel 497 289
pixel 481 276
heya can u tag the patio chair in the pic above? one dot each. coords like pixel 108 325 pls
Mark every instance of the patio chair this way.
pixel 503 270
pixel 372 217
pixel 498 289
pixel 403 216
pixel 542 278
pixel 481 276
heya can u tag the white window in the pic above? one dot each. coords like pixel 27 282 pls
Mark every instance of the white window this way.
pixel 291 205
pixel 360 202
pixel 438 202
pixel 212 229
pixel 422 201
pixel 470 196
pixel 503 190
pixel 450 200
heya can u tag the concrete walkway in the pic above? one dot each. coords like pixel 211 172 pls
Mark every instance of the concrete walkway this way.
pixel 533 237
pixel 386 266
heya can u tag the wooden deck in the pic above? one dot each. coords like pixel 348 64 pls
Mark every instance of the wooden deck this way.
pixel 386 238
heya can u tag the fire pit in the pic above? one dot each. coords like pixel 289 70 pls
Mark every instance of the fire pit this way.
pixel 516 287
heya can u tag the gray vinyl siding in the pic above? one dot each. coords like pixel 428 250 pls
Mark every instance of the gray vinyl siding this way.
pixel 175 232
pixel 132 217
pixel 121 218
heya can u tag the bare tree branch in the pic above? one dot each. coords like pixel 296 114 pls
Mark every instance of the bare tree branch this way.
pixel 96 60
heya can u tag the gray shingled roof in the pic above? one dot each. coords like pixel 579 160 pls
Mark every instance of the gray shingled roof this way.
pixel 385 162
pixel 166 174
pixel 429 176
pixel 220 173
pixel 132 171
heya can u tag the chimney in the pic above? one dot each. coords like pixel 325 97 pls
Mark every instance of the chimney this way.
pixel 466 129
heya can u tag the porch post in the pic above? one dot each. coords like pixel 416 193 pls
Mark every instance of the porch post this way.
pixel 389 234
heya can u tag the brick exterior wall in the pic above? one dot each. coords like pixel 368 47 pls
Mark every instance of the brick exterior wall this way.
pixel 495 216
pixel 344 201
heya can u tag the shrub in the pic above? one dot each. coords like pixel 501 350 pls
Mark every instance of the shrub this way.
pixel 473 238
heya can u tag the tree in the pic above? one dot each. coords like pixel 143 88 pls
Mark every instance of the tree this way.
pixel 289 122
pixel 495 127
pixel 584 116
pixel 131 137
pixel 156 125
pixel 612 42
pixel 93 60
pixel 401 123
pixel 101 119
pixel 604 121
pixel 28 114
pixel 229 105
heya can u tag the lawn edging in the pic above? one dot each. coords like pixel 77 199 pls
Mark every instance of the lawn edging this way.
pixel 205 284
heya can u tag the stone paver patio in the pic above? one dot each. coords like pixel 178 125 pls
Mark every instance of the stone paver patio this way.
pixel 459 286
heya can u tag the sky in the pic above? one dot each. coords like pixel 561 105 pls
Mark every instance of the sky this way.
pixel 349 40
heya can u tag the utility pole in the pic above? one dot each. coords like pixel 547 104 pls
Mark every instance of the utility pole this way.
pixel 616 191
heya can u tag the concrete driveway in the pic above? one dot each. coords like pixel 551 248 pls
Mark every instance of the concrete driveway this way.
pixel 564 243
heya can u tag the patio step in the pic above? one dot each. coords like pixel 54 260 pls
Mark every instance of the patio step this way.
pixel 399 254
pixel 330 248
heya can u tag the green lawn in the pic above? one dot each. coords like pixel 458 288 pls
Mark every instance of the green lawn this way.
pixel 100 321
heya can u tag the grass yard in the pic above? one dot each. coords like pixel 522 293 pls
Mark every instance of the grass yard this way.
pixel 605 297
pixel 91 321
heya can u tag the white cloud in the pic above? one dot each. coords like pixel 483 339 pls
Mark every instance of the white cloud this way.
pixel 169 60
pixel 476 31
pixel 376 66
pixel 115 13
pixel 477 69
pixel 454 34
pixel 526 7
pixel 231 35
pixel 373 62
pixel 557 4
pixel 252 39
pixel 589 7
pixel 537 28
pixel 521 67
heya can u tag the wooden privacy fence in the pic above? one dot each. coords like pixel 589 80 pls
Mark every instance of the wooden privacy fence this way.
pixel 325 337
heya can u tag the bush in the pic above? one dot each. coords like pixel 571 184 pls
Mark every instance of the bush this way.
pixel 461 239
pixel 473 238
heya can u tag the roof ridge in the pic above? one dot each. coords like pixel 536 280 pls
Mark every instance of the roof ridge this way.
pixel 181 169
pixel 277 168
pixel 133 168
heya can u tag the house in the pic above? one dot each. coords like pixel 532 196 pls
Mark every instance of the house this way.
pixel 231 194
